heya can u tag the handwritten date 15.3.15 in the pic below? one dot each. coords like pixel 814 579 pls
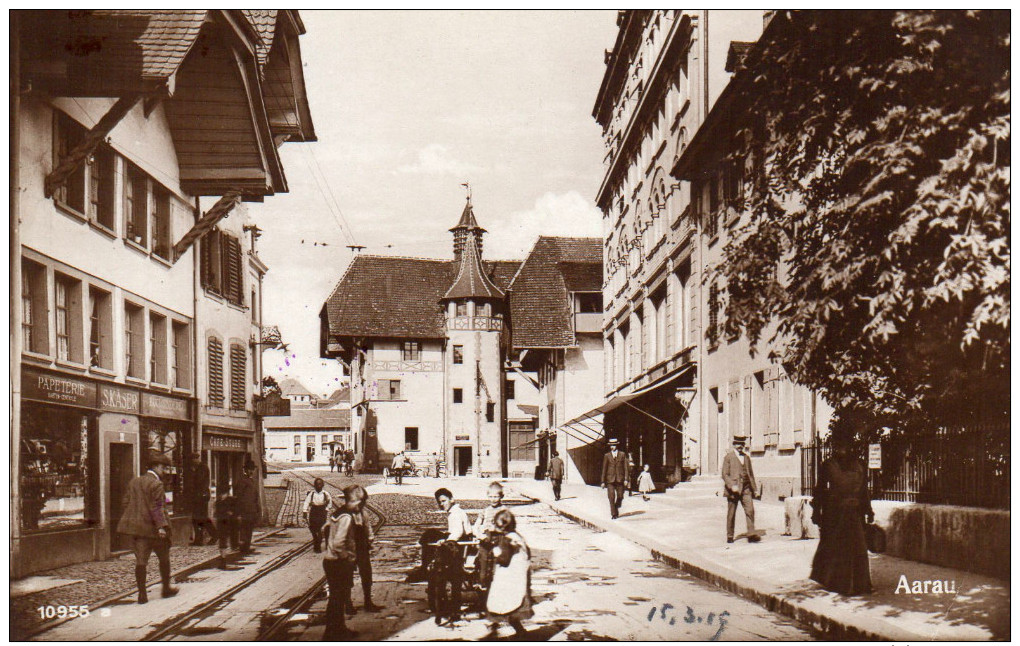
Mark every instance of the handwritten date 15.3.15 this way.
pixel 664 613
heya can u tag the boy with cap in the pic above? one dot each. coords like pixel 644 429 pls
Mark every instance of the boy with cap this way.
pixel 145 520
pixel 738 480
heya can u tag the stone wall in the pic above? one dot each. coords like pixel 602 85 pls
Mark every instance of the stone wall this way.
pixel 965 538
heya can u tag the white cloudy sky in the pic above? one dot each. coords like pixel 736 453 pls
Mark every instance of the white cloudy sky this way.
pixel 407 106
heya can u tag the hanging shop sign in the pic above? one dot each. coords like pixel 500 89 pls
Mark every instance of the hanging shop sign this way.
pixel 118 399
pixel 57 389
pixel 272 405
pixel 154 405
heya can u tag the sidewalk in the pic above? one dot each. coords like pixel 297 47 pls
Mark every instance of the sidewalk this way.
pixel 689 533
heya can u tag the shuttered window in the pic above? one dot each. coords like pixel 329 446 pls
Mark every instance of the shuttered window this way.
pixel 222 266
pixel 215 372
pixel 238 365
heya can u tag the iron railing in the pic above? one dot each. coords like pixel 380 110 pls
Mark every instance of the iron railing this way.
pixel 961 465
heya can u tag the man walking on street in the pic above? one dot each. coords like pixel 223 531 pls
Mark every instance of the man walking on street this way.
pixel 397 467
pixel 556 473
pixel 738 478
pixel 145 520
pixel 199 489
pixel 614 476
pixel 247 506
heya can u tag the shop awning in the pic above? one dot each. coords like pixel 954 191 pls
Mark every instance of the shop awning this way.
pixel 588 427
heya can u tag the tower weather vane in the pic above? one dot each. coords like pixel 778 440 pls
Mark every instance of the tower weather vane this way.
pixel 467 187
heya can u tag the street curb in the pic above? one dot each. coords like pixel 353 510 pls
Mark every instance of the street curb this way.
pixel 174 576
pixel 839 628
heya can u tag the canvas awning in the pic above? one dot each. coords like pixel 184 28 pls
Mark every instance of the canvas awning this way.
pixel 588 427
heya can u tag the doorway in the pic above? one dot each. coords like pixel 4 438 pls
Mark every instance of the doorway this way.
pixel 712 413
pixel 122 470
pixel 462 460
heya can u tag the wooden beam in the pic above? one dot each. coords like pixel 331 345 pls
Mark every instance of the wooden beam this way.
pixel 74 159
pixel 220 210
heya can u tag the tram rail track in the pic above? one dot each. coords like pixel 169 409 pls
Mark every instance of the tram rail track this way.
pixel 305 600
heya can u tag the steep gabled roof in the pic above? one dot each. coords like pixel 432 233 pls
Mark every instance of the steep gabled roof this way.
pixel 539 307
pixel 390 296
pixel 292 387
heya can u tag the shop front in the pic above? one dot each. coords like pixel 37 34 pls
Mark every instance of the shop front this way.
pixel 226 451
pixel 80 443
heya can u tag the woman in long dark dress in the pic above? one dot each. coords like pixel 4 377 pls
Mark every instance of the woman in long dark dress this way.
pixel 841 506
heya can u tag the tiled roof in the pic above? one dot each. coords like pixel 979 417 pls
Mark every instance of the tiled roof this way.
pixel 390 296
pixel 471 280
pixel 538 296
pixel 152 43
pixel 263 21
pixel 324 418
pixel 290 387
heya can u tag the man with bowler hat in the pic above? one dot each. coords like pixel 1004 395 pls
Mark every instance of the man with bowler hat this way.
pixel 146 521
pixel 614 476
pixel 738 479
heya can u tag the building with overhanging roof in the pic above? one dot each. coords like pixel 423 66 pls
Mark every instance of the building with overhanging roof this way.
pixel 139 305
pixel 431 347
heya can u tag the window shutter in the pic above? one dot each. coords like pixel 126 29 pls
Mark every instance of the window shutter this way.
pixel 206 267
pixel 232 274
pixel 383 386
pixel 238 366
pixel 215 372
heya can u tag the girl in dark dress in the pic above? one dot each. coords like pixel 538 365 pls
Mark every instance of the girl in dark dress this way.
pixel 841 505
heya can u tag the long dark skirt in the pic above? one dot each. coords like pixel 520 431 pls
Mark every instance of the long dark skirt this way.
pixel 841 561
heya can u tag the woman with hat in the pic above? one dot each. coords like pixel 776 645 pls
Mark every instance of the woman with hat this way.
pixel 841 507
pixel 740 487
pixel 145 520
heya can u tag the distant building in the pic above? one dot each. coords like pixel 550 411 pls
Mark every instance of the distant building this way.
pixel 427 344
pixel 308 435
pixel 299 396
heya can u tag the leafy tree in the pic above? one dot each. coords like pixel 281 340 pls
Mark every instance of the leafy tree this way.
pixel 874 262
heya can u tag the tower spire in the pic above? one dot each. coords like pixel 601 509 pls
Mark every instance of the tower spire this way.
pixel 466 228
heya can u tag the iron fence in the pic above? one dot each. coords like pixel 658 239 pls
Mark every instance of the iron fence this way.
pixel 961 465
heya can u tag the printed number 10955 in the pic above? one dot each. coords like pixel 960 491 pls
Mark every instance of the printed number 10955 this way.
pixel 63 612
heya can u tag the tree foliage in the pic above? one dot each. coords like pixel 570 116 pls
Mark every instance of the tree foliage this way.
pixel 875 258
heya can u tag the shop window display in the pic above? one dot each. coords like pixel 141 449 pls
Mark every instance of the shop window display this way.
pixel 166 438
pixel 57 468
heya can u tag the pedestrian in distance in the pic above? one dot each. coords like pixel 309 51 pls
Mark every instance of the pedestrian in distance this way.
pixel 315 510
pixel 484 530
pixel 199 501
pixel 841 506
pixel 645 484
pixel 556 474
pixel 146 521
pixel 338 563
pixel 248 511
pixel 738 479
pixel 332 462
pixel 614 476
pixel 397 468
pixel 509 598
pixel 225 512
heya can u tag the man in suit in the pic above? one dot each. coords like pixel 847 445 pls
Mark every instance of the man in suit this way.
pixel 556 473
pixel 146 521
pixel 247 495
pixel 738 478
pixel 199 489
pixel 614 476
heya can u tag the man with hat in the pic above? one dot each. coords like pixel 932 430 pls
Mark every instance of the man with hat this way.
pixel 614 476
pixel 738 479
pixel 145 520
pixel 248 508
